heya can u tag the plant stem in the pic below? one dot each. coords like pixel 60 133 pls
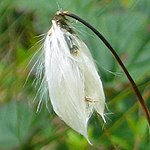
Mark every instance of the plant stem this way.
pixel 134 86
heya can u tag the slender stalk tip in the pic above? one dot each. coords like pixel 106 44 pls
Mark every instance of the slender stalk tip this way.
pixel 62 13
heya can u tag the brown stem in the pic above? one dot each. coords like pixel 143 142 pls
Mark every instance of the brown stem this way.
pixel 135 88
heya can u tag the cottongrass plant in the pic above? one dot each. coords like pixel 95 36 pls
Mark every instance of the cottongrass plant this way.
pixel 67 72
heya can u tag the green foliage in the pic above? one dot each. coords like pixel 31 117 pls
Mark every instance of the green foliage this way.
pixel 126 25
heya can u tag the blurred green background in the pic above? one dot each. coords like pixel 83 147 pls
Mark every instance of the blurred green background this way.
pixel 125 24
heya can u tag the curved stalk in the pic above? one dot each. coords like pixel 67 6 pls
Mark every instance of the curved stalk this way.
pixel 134 86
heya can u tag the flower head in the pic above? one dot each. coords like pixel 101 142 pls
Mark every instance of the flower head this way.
pixel 73 82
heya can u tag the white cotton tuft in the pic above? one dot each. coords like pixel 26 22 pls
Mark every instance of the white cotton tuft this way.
pixel 74 86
